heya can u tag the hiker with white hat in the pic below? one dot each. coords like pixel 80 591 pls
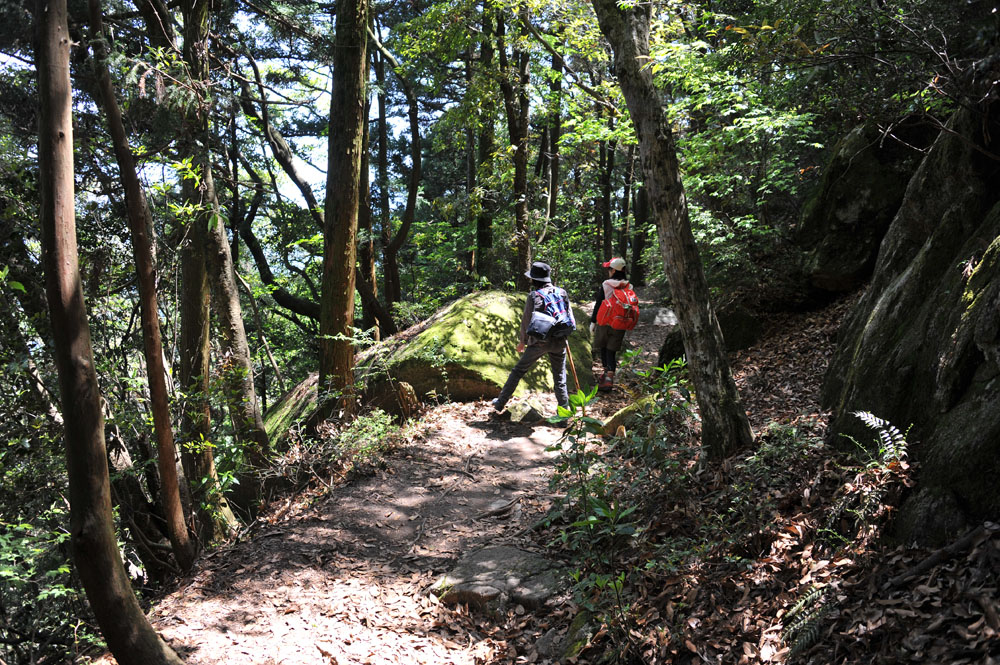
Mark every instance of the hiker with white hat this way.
pixel 606 339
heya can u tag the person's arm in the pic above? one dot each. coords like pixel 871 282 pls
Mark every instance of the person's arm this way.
pixel 597 303
pixel 529 307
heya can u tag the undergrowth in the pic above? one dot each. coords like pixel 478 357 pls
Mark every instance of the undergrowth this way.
pixel 340 450
pixel 667 551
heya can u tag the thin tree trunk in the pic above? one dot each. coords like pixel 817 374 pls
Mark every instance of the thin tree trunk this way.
pixel 514 85
pixel 383 152
pixel 484 157
pixel 725 428
pixel 607 168
pixel 393 288
pixel 140 220
pixel 260 333
pixel 347 121
pixel 624 234
pixel 470 162
pixel 555 131
pixel 237 366
pixel 641 207
pixel 95 549
pixel 366 246
pixel 210 231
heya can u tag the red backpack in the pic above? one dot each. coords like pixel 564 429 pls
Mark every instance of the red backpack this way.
pixel 621 310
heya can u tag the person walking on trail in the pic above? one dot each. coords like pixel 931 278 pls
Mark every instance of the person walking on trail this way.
pixel 607 340
pixel 546 323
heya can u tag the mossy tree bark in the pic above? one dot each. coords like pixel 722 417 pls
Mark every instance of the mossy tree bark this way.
pixel 725 428
pixel 95 549
pixel 347 118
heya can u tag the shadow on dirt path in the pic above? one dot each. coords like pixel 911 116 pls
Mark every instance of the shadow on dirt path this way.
pixel 344 579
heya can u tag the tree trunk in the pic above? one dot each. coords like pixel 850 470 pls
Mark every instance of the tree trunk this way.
pixel 210 232
pixel 624 234
pixel 140 220
pixel 236 365
pixel 366 246
pixel 641 207
pixel 606 170
pixel 393 288
pixel 725 428
pixel 347 121
pixel 383 152
pixel 555 131
pixel 484 157
pixel 95 548
pixel 514 85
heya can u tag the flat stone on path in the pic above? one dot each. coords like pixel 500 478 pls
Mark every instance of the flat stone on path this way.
pixel 493 576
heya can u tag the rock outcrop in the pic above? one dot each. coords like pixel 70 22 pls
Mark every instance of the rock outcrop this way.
pixel 922 347
pixel 861 189
pixel 495 576
pixel 740 327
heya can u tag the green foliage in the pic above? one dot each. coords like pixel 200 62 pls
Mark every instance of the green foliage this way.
pixel 39 592
pixel 782 452
pixel 363 443
pixel 803 624
pixel 356 447
pixel 855 516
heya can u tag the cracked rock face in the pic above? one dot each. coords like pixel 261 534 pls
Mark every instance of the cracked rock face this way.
pixel 494 576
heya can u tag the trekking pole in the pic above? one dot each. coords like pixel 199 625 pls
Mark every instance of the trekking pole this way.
pixel 572 366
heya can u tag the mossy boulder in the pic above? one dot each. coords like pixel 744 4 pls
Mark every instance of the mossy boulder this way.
pixel 922 346
pixel 293 407
pixel 629 414
pixel 463 352
pixel 466 350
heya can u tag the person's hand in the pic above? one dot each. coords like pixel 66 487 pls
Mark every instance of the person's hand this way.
pixel 593 327
pixel 520 347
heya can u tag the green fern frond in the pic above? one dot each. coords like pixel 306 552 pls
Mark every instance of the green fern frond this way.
pixel 803 624
pixel 892 442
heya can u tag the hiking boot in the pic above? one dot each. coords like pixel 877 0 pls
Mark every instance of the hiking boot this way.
pixel 607 382
pixel 498 413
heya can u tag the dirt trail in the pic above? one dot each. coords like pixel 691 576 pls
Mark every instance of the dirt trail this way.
pixel 342 577
pixel 345 580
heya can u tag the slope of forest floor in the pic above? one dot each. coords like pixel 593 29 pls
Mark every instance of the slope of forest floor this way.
pixel 732 566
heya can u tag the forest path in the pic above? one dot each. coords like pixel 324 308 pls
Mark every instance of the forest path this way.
pixel 343 577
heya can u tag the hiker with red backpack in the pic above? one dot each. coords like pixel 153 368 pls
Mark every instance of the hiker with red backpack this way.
pixel 545 326
pixel 616 311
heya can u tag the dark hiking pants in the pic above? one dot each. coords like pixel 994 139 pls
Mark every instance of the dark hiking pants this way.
pixel 556 350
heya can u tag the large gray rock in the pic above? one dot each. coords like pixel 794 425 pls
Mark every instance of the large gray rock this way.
pixel 740 327
pixel 495 576
pixel 922 346
pixel 844 221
